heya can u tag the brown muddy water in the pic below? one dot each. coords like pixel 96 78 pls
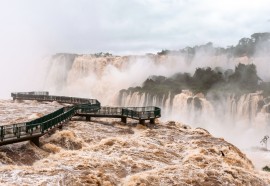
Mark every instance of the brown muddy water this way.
pixel 106 152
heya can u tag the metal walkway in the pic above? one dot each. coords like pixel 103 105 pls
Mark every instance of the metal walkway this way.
pixel 87 108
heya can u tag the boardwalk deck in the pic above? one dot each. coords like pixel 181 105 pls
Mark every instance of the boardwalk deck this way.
pixel 87 108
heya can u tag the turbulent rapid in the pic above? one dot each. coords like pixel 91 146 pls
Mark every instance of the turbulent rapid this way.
pixel 107 152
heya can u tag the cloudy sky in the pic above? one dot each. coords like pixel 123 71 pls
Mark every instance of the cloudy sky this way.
pixel 31 29
pixel 128 25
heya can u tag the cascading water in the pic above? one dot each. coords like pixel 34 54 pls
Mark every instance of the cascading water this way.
pixel 103 78
pixel 247 107
pixel 183 107
pixel 248 113
pixel 58 70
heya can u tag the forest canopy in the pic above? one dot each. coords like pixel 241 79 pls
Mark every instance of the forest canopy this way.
pixel 243 78
pixel 244 47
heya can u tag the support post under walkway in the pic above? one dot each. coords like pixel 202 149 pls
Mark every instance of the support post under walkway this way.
pixel 35 140
pixel 87 118
pixel 124 119
pixel 142 121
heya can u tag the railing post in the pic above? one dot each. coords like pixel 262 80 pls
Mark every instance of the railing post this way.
pixel 2 133
pixel 18 129
pixel 14 129
pixel 31 130
pixel 42 128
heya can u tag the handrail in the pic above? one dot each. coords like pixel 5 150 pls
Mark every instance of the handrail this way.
pixel 131 112
pixel 42 125
pixel 32 93
pixel 44 96
pixel 141 113
pixel 45 123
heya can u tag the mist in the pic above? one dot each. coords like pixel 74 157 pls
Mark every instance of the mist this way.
pixel 103 77
pixel 30 33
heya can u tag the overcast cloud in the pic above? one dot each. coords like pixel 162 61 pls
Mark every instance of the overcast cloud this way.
pixel 31 29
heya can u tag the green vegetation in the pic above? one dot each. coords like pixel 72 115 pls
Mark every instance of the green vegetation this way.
pixel 265 87
pixel 266 168
pixel 163 52
pixel 245 47
pixel 243 79
pixel 102 54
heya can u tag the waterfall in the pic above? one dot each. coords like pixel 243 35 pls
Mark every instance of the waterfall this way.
pixel 88 76
pixel 60 65
pixel 249 109
pixel 118 80
pixel 181 106
pixel 103 77
pixel 141 99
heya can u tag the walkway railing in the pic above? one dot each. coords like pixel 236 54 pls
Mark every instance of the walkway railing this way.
pixel 141 112
pixel 44 96
pixel 137 113
pixel 37 126
pixel 80 106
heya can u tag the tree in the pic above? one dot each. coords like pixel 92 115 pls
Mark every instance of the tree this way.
pixel 245 76
pixel 204 79
pixel 245 47
pixel 163 52
pixel 260 37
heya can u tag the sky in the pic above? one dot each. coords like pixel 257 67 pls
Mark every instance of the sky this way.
pixel 32 30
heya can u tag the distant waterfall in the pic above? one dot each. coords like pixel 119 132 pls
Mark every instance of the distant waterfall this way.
pixel 142 99
pixel 87 76
pixel 103 77
pixel 180 106
pixel 60 65
pixel 248 108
